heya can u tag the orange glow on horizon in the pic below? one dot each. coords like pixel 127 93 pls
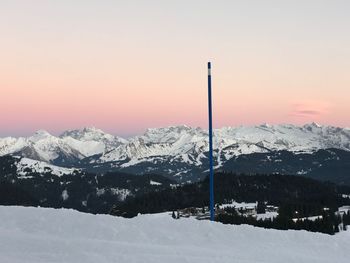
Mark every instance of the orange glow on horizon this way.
pixel 120 68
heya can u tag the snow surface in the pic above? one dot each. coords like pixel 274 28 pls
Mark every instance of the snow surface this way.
pixel 91 141
pixel 238 205
pixel 121 192
pixel 37 235
pixel 344 209
pixel 267 215
pixel 25 165
pixel 311 218
pixel 151 182
pixel 65 195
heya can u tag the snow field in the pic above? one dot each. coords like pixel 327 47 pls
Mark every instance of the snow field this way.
pixel 61 235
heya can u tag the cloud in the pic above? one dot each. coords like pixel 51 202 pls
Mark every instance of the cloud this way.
pixel 306 113
pixel 311 109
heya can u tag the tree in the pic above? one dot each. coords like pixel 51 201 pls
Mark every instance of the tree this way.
pixel 261 208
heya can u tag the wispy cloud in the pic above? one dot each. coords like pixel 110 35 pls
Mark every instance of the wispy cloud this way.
pixel 306 113
pixel 309 109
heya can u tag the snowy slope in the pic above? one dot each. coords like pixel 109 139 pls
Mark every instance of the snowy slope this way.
pixel 178 141
pixel 47 235
pixel 49 147
pixel 26 166
pixel 40 146
pixel 91 141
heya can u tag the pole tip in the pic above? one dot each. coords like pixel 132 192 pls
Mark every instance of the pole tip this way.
pixel 209 64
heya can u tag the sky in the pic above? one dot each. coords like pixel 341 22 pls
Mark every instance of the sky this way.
pixel 124 66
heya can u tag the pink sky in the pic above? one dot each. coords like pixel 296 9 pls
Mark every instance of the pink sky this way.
pixel 124 67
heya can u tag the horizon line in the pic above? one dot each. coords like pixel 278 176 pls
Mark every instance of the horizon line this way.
pixel 59 133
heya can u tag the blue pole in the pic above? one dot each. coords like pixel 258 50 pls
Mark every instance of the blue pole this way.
pixel 211 169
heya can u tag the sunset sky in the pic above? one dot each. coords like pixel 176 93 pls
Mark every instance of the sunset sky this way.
pixel 124 66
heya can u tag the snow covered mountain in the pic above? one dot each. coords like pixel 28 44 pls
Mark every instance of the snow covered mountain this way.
pixel 174 150
pixel 182 151
pixel 61 235
pixel 41 146
pixel 67 149
pixel 190 144
pixel 90 141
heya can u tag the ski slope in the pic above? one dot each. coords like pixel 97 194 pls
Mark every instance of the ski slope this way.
pixel 48 235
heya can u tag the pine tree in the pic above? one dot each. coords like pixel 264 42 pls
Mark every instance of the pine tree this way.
pixel 336 229
pixel 261 208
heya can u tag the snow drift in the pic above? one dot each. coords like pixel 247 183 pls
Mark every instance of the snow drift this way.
pixel 49 235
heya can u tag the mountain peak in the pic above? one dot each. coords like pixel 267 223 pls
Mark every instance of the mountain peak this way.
pixel 92 134
pixel 39 135
pixel 92 129
pixel 265 125
pixel 84 133
pixel 42 132
pixel 315 124
pixel 312 126
pixel 174 128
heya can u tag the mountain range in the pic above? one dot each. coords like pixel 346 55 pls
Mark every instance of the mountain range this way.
pixel 181 152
